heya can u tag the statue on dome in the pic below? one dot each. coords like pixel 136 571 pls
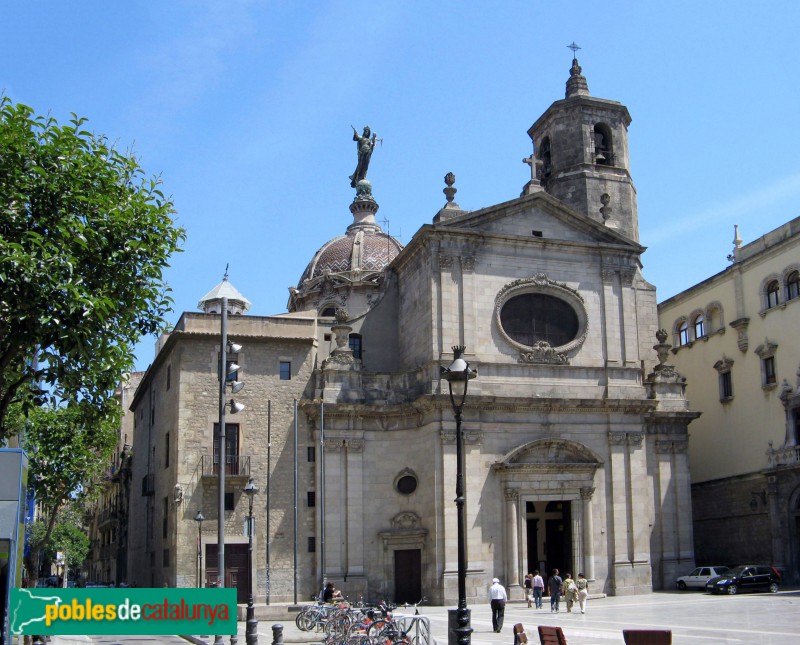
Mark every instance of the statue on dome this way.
pixel 365 144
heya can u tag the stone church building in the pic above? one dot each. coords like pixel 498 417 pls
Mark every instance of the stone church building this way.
pixel 575 428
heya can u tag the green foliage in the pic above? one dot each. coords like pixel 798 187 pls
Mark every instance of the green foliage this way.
pixel 69 449
pixel 84 240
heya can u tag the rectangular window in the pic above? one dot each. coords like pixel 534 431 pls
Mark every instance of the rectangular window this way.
pixel 285 371
pixel 769 370
pixel 312 545
pixel 165 558
pixel 169 376
pixel 229 501
pixel 165 518
pixel 355 345
pixel 166 450
pixel 725 386
pixel 311 499
pixel 311 453
pixel 232 461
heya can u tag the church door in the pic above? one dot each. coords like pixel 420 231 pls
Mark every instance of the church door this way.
pixel 549 536
pixel 407 576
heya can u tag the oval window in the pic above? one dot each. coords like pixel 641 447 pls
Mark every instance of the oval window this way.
pixel 406 484
pixel 533 317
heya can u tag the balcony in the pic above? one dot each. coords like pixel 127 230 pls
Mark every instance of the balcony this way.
pixel 782 457
pixel 236 466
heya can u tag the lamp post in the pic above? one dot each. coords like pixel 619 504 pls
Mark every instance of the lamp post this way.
pixel 199 519
pixel 458 375
pixel 250 490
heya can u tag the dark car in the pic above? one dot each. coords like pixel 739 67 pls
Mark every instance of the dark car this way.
pixel 746 577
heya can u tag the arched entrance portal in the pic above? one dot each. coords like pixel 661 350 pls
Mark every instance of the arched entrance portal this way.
pixel 549 536
pixel 548 526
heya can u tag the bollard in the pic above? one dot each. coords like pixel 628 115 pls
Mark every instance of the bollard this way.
pixel 251 627
pixel 277 634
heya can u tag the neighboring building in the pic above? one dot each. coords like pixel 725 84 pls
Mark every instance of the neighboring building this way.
pixel 576 440
pixel 107 517
pixel 735 339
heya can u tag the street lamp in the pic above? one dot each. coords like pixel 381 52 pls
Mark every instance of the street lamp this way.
pixel 250 490
pixel 458 376
pixel 199 519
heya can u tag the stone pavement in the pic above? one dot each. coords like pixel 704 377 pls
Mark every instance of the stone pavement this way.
pixel 693 617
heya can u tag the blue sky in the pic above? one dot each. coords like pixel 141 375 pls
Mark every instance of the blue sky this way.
pixel 244 109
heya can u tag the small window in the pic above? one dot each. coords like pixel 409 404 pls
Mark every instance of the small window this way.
pixel 229 505
pixel 311 499
pixel 793 285
pixel 165 518
pixel 769 370
pixel 166 450
pixel 328 312
pixel 311 454
pixel 773 291
pixel 683 334
pixel 169 376
pixel 699 326
pixel 355 345
pixel 312 545
pixel 725 386
pixel 602 146
pixel 165 558
pixel 285 371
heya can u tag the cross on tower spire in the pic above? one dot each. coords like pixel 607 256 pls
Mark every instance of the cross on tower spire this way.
pixel 574 49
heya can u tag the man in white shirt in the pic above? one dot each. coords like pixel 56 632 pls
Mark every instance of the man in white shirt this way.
pixel 497 597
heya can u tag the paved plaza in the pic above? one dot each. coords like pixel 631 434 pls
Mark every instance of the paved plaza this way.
pixel 693 617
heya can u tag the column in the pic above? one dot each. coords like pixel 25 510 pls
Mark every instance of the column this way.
pixel 512 537
pixel 588 533
pixel 630 339
pixel 354 543
pixel 576 528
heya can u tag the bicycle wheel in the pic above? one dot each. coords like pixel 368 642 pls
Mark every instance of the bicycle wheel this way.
pixel 305 620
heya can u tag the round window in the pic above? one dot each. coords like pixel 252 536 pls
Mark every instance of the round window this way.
pixel 533 317
pixel 406 485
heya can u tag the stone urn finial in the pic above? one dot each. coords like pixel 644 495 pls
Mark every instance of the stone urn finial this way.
pixel 662 348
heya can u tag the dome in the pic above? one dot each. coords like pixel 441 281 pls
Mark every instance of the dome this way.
pixel 366 249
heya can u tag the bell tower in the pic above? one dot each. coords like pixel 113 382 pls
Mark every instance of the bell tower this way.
pixel 581 146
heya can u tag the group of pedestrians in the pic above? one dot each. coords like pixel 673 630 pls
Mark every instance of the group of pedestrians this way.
pixel 572 590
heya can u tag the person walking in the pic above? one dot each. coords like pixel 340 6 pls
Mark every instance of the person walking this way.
pixel 569 591
pixel 538 589
pixel 497 598
pixel 529 589
pixel 583 591
pixel 555 590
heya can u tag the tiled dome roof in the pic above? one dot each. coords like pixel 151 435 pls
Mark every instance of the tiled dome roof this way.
pixel 364 248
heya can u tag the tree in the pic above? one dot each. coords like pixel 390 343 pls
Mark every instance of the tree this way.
pixel 84 240
pixel 69 448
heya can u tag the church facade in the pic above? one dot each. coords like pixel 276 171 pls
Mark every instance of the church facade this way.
pixel 575 428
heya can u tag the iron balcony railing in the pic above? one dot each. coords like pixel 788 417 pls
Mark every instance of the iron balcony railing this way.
pixel 235 466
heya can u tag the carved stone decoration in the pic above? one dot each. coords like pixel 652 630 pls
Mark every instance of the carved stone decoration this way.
pixel 586 493
pixel 723 365
pixel 542 353
pixel 605 210
pixel 633 439
pixel 664 446
pixel 450 190
pixel 766 349
pixel 627 274
pixel 406 520
pixel 511 494
pixel 468 263
pixel 608 274
pixel 445 262
pixel 471 437
pixel 740 325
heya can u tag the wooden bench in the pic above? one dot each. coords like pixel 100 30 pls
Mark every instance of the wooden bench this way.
pixel 551 636
pixel 647 636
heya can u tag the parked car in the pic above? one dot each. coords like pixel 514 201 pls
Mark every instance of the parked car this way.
pixel 746 577
pixel 698 578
